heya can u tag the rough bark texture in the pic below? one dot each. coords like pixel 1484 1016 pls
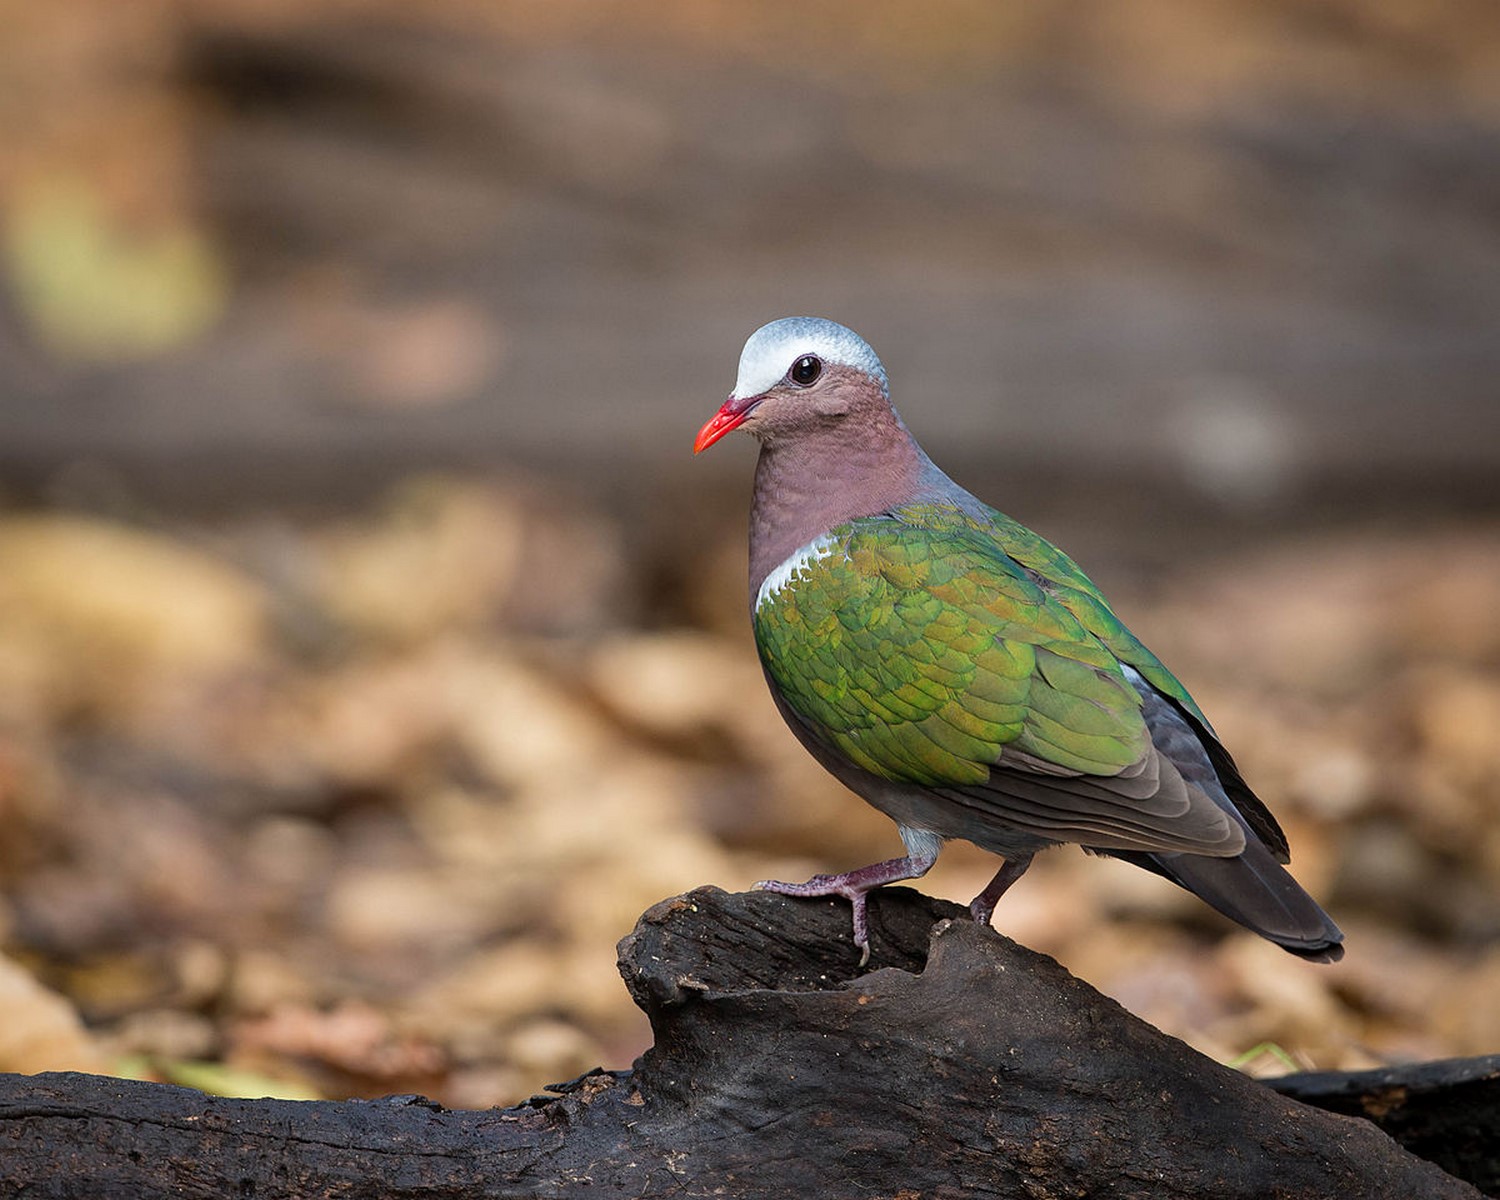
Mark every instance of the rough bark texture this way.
pixel 1447 1112
pixel 959 1064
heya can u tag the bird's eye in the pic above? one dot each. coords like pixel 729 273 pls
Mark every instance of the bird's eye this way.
pixel 805 370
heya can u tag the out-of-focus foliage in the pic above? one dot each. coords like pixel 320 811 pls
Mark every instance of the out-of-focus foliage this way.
pixel 93 291
pixel 259 812
pixel 43 1031
pixel 242 231
pixel 357 798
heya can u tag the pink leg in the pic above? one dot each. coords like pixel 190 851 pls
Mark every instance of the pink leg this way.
pixel 855 885
pixel 983 905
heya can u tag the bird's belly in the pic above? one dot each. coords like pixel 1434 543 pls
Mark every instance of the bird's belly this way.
pixel 911 805
pixel 916 807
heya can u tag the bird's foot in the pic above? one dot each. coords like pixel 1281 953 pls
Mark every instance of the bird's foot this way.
pixel 833 885
pixel 982 907
pixel 818 885
pixel 855 886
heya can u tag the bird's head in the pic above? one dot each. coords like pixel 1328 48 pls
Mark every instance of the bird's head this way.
pixel 797 375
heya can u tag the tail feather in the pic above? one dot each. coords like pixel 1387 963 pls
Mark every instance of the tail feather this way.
pixel 1251 888
pixel 1254 890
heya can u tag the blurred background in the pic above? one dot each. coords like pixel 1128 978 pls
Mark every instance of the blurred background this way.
pixel 373 650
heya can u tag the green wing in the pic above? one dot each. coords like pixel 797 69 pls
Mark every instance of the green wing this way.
pixel 928 647
pixel 1076 592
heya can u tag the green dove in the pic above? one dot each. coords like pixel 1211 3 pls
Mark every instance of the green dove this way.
pixel 963 675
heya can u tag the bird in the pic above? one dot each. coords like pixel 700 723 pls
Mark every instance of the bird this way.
pixel 960 673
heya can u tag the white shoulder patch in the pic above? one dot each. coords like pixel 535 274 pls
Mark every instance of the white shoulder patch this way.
pixel 786 573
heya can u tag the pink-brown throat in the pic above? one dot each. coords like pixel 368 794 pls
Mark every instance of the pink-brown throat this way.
pixel 731 416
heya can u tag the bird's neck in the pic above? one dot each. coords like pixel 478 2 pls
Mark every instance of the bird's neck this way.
pixel 808 485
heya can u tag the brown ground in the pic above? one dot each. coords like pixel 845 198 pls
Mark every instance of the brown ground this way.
pixel 361 805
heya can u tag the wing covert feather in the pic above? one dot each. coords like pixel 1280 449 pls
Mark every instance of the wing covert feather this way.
pixel 973 659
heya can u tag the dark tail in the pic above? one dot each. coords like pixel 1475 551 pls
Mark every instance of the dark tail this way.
pixel 1252 888
pixel 1256 891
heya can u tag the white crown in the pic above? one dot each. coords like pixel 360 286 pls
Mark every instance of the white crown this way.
pixel 773 348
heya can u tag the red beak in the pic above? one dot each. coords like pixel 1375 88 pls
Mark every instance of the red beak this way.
pixel 731 416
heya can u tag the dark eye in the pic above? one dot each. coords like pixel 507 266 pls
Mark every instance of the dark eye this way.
pixel 806 370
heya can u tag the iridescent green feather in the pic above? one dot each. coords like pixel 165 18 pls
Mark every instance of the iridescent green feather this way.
pixel 929 641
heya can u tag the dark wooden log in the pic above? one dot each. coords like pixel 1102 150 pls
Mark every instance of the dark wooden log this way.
pixel 1447 1112
pixel 958 1064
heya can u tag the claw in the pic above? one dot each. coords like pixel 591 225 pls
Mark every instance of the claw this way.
pixel 855 886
